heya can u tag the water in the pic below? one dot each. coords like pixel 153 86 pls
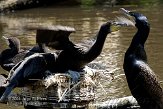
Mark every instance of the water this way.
pixel 87 21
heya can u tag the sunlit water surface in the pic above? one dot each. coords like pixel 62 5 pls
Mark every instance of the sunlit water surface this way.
pixel 87 21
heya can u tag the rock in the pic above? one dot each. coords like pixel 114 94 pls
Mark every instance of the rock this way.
pixel 11 5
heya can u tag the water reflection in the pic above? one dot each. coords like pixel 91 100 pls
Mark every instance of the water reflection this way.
pixel 87 22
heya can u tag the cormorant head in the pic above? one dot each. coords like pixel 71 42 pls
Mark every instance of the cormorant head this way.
pixel 140 19
pixel 13 43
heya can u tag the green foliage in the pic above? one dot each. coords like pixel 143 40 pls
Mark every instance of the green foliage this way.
pixel 120 2
pixel 138 2
pixel 88 2
pixel 148 2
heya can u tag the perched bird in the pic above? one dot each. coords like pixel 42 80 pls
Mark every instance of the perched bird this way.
pixel 142 81
pixel 71 57
pixel 12 55
pixel 6 55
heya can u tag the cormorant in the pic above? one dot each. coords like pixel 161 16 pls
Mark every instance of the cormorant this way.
pixel 7 54
pixel 11 56
pixel 71 57
pixel 142 81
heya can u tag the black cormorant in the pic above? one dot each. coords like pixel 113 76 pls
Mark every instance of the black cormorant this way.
pixel 7 54
pixel 71 57
pixel 11 56
pixel 142 81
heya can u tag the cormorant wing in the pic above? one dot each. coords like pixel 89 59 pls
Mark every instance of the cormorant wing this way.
pixel 51 33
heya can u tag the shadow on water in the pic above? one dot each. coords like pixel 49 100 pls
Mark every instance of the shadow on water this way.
pixel 87 22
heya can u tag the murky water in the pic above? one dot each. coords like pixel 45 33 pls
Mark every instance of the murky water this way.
pixel 87 21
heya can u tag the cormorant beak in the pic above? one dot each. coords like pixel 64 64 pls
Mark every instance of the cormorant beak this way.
pixel 126 12
pixel 6 39
pixel 116 23
pixel 129 13
pixel 122 21
pixel 137 16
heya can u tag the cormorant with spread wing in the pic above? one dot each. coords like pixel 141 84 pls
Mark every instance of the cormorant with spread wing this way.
pixel 71 57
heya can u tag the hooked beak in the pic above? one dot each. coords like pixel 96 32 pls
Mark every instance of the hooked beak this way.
pixel 130 13
pixel 126 12
pixel 6 39
pixel 135 15
pixel 116 23
pixel 123 21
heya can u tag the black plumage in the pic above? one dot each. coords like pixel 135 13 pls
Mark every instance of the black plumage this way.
pixel 71 57
pixel 14 54
pixel 6 55
pixel 142 81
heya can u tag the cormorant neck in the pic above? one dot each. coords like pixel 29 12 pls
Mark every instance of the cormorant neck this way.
pixel 140 37
pixel 15 49
pixel 90 54
pixel 96 49
pixel 138 41
pixel 14 45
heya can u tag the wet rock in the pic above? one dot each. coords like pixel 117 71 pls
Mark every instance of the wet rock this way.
pixel 11 5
